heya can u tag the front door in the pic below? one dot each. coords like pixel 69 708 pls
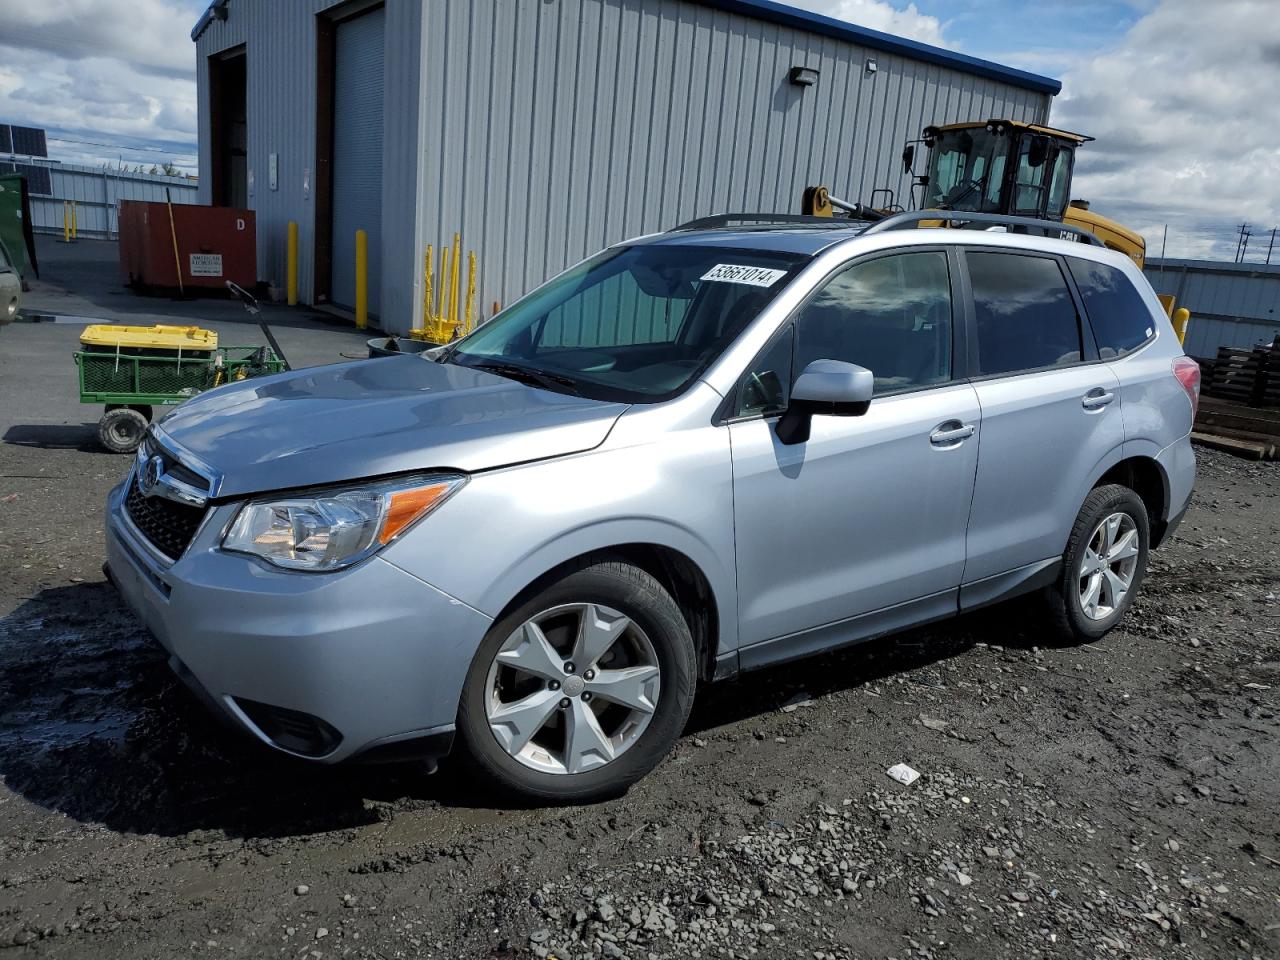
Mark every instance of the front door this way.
pixel 861 528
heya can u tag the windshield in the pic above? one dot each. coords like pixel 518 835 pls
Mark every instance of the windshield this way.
pixel 966 170
pixel 635 324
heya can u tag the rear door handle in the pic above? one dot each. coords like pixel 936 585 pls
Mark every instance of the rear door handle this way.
pixel 951 433
pixel 1097 398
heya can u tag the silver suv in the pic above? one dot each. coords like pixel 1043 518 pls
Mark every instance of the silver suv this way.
pixel 694 454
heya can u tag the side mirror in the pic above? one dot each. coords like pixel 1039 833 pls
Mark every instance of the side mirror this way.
pixel 831 387
pixel 908 157
pixel 1038 151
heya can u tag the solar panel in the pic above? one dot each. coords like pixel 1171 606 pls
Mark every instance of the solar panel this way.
pixel 38 179
pixel 27 141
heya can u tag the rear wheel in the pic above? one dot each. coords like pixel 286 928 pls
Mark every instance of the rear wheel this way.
pixel 1103 566
pixel 582 689
pixel 121 429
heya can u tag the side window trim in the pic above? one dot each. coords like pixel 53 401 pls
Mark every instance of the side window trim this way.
pixel 1088 349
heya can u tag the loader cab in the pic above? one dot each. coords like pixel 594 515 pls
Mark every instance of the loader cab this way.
pixel 999 167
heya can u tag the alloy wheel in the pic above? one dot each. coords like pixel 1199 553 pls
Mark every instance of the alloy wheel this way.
pixel 572 688
pixel 1108 566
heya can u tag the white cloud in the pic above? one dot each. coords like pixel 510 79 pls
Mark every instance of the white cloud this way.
pixel 1185 112
pixel 120 72
pixel 879 15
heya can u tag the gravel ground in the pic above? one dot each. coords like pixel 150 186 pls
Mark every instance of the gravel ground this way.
pixel 1111 800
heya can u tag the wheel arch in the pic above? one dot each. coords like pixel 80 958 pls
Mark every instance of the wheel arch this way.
pixel 1142 473
pixel 698 584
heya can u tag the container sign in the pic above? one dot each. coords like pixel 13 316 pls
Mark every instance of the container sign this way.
pixel 733 273
pixel 206 264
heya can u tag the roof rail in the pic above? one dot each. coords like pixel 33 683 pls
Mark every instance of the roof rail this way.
pixel 1048 228
pixel 732 219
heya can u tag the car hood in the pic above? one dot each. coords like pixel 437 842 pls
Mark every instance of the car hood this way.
pixel 373 417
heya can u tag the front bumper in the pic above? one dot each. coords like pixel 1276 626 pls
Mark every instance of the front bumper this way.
pixel 376 655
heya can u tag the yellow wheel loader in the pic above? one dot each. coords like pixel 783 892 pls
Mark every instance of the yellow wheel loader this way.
pixel 996 166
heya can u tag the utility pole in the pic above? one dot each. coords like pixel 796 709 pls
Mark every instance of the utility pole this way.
pixel 1242 243
pixel 1163 244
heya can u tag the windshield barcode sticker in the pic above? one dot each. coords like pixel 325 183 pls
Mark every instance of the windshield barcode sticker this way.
pixel 733 273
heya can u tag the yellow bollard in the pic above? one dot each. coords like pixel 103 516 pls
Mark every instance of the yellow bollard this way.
pixel 75 225
pixel 426 288
pixel 66 222
pixel 362 279
pixel 471 290
pixel 1181 317
pixel 442 302
pixel 292 287
pixel 453 280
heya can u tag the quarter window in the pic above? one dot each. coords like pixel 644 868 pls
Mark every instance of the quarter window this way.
pixel 766 387
pixel 891 315
pixel 1026 319
pixel 1120 318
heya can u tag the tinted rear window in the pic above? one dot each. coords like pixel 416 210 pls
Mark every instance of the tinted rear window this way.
pixel 1026 319
pixel 1117 313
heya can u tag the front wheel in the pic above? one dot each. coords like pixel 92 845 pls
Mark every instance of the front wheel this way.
pixel 582 689
pixel 1103 566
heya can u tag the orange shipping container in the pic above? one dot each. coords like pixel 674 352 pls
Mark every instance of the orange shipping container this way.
pixel 215 244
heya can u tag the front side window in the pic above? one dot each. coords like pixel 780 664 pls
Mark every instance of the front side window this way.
pixel 1119 317
pixel 1026 319
pixel 634 324
pixel 1029 188
pixel 1060 184
pixel 891 315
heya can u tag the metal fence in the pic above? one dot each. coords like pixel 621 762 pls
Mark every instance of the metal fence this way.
pixel 96 192
pixel 1231 304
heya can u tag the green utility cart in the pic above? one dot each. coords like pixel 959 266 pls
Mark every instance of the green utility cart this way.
pixel 134 369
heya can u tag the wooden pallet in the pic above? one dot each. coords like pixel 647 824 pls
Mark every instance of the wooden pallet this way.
pixel 1250 376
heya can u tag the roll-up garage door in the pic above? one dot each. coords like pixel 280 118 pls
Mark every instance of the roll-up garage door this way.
pixel 357 153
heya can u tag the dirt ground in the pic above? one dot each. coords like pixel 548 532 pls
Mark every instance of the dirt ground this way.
pixel 1115 799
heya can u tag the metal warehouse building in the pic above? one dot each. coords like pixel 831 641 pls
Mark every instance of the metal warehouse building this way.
pixel 543 130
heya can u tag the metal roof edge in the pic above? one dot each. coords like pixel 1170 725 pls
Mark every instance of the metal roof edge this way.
pixel 207 18
pixel 817 23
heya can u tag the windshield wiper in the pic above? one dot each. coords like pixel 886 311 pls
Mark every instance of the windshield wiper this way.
pixel 515 371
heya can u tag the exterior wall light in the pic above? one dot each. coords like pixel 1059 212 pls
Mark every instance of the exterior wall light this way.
pixel 803 76
pixel 871 65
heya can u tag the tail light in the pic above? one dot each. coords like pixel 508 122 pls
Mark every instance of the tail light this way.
pixel 1188 373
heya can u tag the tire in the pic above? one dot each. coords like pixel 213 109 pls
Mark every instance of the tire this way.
pixel 1067 600
pixel 121 429
pixel 625 742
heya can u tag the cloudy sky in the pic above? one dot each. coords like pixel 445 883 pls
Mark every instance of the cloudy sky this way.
pixel 1181 94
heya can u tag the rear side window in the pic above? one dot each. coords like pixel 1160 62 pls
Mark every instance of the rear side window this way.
pixel 1026 319
pixel 1117 313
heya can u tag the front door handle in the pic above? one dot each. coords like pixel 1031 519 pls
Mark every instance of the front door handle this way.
pixel 1097 398
pixel 951 433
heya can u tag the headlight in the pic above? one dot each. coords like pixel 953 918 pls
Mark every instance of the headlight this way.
pixel 334 528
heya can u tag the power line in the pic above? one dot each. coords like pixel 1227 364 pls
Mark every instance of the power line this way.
pixel 118 146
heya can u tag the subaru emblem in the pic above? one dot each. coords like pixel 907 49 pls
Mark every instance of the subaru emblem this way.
pixel 152 473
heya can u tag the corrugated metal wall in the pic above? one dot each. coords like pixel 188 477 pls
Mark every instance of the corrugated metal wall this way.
pixel 562 127
pixel 280 44
pixel 97 192
pixel 543 130
pixel 1231 304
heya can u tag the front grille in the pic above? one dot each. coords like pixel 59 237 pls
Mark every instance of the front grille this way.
pixel 167 525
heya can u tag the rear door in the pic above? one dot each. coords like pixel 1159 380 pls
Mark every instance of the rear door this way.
pixel 1050 411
